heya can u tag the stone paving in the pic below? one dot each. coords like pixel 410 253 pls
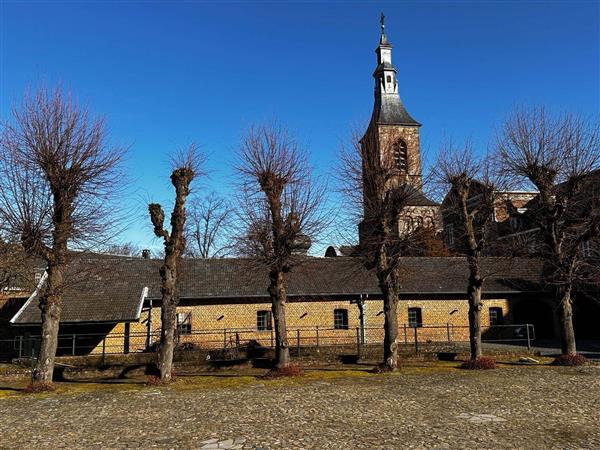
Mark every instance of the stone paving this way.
pixel 419 408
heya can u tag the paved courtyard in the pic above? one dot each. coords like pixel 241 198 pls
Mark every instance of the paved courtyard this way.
pixel 421 408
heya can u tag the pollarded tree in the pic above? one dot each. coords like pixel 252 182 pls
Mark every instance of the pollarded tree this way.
pixel 58 179
pixel 560 156
pixel 186 167
pixel 469 204
pixel 379 196
pixel 280 208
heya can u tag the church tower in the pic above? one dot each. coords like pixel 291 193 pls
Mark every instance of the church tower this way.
pixel 393 134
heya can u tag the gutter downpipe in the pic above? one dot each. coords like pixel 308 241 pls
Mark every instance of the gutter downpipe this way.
pixel 361 317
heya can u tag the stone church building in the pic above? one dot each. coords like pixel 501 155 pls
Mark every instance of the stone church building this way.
pixel 393 137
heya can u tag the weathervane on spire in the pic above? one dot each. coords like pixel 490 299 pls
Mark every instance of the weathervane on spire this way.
pixel 382 22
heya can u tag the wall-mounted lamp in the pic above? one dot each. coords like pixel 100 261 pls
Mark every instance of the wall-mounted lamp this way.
pixel 220 318
pixel 453 311
pixel 304 315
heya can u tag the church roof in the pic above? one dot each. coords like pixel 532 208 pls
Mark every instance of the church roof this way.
pixel 418 198
pixel 389 110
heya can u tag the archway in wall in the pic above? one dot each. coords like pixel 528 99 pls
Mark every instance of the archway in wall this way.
pixel 537 312
pixel 586 317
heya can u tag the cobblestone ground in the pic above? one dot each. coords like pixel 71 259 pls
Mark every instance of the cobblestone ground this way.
pixel 419 408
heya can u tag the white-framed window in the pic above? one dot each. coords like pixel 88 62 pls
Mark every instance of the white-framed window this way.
pixel 264 320
pixel 340 319
pixel 184 323
pixel 415 317
pixel 496 315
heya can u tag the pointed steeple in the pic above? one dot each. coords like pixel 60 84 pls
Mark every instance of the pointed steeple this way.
pixel 388 108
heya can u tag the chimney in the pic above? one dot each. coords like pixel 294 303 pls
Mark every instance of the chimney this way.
pixel 146 253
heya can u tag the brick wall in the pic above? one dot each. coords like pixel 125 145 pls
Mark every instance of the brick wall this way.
pixel 217 326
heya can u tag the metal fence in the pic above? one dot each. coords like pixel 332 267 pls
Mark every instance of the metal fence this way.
pixel 238 339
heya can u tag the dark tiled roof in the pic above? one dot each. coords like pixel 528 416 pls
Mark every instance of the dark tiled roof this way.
pixel 418 198
pixel 110 288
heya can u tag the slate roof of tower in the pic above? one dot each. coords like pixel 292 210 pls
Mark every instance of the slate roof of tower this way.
pixel 109 288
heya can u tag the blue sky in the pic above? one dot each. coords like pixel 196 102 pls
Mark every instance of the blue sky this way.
pixel 167 73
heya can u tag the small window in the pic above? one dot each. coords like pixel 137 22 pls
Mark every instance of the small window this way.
pixel 585 249
pixel 340 319
pixel 449 234
pixel 415 318
pixel 37 277
pixel 184 323
pixel 389 79
pixel 400 154
pixel 496 316
pixel 264 321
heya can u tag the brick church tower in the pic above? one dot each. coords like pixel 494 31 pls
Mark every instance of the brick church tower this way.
pixel 394 135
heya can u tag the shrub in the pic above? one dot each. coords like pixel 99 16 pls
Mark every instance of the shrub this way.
pixel 154 380
pixel 290 371
pixel 570 360
pixel 35 388
pixel 482 363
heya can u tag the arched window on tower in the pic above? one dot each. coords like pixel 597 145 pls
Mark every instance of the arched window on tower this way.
pixel 400 155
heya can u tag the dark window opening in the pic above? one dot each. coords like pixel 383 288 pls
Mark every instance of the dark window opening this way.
pixel 340 319
pixel 415 318
pixel 400 155
pixel 264 321
pixel 184 323
pixel 496 316
pixel 389 79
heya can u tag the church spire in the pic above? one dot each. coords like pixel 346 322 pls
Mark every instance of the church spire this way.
pixel 388 108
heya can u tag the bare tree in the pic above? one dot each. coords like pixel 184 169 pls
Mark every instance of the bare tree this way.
pixel 186 169
pixel 209 227
pixel 280 208
pixel 557 154
pixel 58 176
pixel 15 272
pixel 122 249
pixel 469 205
pixel 379 195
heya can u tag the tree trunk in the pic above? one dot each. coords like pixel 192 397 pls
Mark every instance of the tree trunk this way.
pixel 277 291
pixel 390 340
pixel 475 305
pixel 51 308
pixel 565 316
pixel 168 319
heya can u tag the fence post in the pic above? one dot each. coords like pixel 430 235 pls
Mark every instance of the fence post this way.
pixel 416 340
pixel 448 330
pixel 317 330
pixel 20 346
pixel 358 347
pixel 528 338
pixel 405 335
pixel 74 337
pixel 298 340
